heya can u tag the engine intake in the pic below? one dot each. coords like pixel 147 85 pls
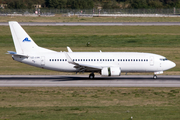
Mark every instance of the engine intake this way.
pixel 111 71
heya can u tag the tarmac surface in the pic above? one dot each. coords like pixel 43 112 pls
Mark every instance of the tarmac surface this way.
pixel 94 23
pixel 84 81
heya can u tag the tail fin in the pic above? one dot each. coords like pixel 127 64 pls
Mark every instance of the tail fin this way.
pixel 22 41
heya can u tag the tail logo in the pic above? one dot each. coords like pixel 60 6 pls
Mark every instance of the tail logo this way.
pixel 26 40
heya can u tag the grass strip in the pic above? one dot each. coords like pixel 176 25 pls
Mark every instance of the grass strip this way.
pixel 62 18
pixel 89 103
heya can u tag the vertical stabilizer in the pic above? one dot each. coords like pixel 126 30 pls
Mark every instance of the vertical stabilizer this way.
pixel 22 41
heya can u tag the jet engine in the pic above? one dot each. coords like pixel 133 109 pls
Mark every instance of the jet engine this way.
pixel 111 71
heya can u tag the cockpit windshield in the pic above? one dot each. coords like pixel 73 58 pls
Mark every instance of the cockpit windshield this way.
pixel 163 59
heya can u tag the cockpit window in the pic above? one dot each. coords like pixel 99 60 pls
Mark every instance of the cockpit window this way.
pixel 163 59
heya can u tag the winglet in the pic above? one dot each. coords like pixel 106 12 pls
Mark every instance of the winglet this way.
pixel 69 49
pixel 69 58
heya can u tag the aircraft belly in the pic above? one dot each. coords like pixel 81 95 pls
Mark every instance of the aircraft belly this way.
pixel 133 67
pixel 61 67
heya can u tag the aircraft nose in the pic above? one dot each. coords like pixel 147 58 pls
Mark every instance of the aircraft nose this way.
pixel 172 64
pixel 168 65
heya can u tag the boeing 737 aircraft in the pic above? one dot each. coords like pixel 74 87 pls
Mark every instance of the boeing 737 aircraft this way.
pixel 105 63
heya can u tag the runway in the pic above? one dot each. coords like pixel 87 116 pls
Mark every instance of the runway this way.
pixel 84 81
pixel 94 23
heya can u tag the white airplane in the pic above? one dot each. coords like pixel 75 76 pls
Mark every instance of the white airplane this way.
pixel 105 63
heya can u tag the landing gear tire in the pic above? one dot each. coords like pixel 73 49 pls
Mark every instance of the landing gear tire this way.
pixel 91 76
pixel 155 77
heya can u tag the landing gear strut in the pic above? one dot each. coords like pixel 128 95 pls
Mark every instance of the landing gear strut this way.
pixel 91 76
pixel 154 76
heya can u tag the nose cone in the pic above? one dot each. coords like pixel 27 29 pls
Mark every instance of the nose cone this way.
pixel 170 65
pixel 173 64
pixel 166 65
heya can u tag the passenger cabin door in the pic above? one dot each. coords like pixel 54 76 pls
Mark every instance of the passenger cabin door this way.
pixel 42 60
pixel 151 61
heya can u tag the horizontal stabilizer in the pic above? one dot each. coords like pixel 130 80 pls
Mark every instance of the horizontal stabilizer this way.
pixel 14 53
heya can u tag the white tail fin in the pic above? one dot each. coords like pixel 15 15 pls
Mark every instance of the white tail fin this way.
pixel 22 41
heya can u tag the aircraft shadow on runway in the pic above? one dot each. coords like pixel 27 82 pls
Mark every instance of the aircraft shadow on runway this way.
pixel 77 78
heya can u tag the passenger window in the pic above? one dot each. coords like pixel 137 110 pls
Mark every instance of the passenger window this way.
pixel 94 59
pixel 52 59
pixel 97 59
pixel 100 59
pixel 113 59
pixel 49 59
pixel 128 59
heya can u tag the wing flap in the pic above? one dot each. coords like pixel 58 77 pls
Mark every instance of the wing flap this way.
pixel 90 66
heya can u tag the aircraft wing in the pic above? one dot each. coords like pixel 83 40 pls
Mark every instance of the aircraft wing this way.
pixel 82 67
pixel 90 66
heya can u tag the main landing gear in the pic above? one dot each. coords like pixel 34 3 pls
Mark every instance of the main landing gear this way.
pixel 154 76
pixel 91 76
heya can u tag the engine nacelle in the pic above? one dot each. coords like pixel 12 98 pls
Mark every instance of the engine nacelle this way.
pixel 111 71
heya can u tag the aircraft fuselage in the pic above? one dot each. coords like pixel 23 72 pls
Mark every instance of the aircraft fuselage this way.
pixel 126 61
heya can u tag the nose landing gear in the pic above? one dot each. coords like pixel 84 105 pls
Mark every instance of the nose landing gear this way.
pixel 154 76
